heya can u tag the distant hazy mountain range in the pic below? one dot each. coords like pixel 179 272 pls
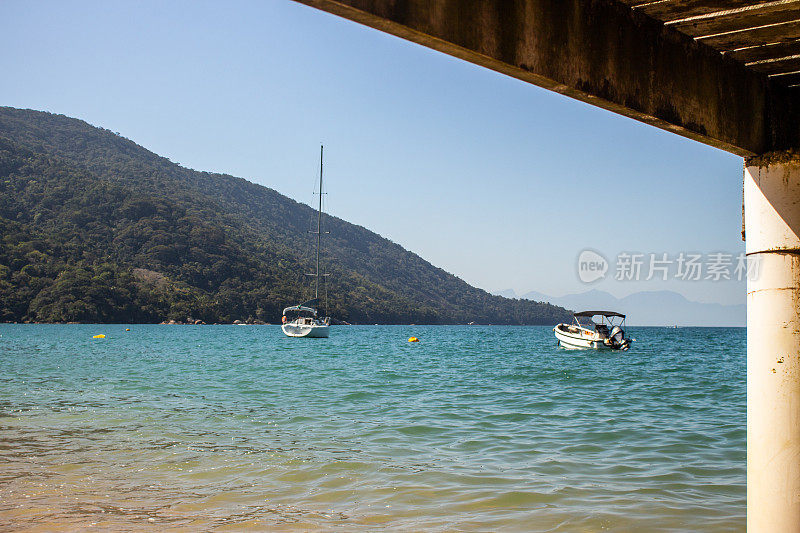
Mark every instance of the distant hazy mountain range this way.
pixel 647 308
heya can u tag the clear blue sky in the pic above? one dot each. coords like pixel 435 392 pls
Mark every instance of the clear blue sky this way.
pixel 492 179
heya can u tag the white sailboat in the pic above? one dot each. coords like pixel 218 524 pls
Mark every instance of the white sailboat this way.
pixel 305 321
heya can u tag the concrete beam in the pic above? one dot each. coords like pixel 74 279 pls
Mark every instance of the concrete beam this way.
pixel 603 53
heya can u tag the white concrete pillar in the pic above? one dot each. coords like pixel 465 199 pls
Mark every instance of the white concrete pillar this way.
pixel 772 234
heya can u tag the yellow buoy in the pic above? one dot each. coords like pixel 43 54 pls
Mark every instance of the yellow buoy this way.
pixel 413 339
pixel 127 329
pixel 101 336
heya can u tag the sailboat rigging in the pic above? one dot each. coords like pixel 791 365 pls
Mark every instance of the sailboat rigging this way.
pixel 306 321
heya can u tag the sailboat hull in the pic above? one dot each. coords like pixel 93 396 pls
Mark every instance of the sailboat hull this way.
pixel 316 331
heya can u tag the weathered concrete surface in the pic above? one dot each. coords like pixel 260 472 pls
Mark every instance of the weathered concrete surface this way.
pixel 772 225
pixel 601 52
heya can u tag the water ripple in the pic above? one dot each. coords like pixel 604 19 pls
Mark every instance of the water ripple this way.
pixel 474 428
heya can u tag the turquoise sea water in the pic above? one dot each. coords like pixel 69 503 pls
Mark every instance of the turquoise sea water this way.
pixel 474 428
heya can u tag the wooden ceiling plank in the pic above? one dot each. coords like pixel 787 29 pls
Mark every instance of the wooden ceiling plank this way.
pixel 791 64
pixel 633 3
pixel 788 79
pixel 671 10
pixel 740 20
pixel 779 33
pixel 769 51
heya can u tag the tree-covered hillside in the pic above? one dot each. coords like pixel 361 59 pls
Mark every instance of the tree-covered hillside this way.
pixel 97 229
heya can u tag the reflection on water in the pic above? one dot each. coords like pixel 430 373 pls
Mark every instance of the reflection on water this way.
pixel 480 428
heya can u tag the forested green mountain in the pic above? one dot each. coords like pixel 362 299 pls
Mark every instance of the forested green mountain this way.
pixel 96 228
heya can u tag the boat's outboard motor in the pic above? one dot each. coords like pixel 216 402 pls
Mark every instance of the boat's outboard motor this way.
pixel 618 340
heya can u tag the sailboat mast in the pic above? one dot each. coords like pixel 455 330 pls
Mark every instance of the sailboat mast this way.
pixel 319 224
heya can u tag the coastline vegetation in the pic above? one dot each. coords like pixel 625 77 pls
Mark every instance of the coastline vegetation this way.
pixel 94 228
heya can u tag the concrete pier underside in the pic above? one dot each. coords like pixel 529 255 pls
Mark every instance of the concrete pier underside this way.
pixel 723 72
pixel 605 53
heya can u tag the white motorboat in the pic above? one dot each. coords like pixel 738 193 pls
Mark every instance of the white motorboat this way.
pixel 585 332
pixel 302 320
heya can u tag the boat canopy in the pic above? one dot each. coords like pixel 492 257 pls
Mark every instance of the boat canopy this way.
pixel 604 313
pixel 309 307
